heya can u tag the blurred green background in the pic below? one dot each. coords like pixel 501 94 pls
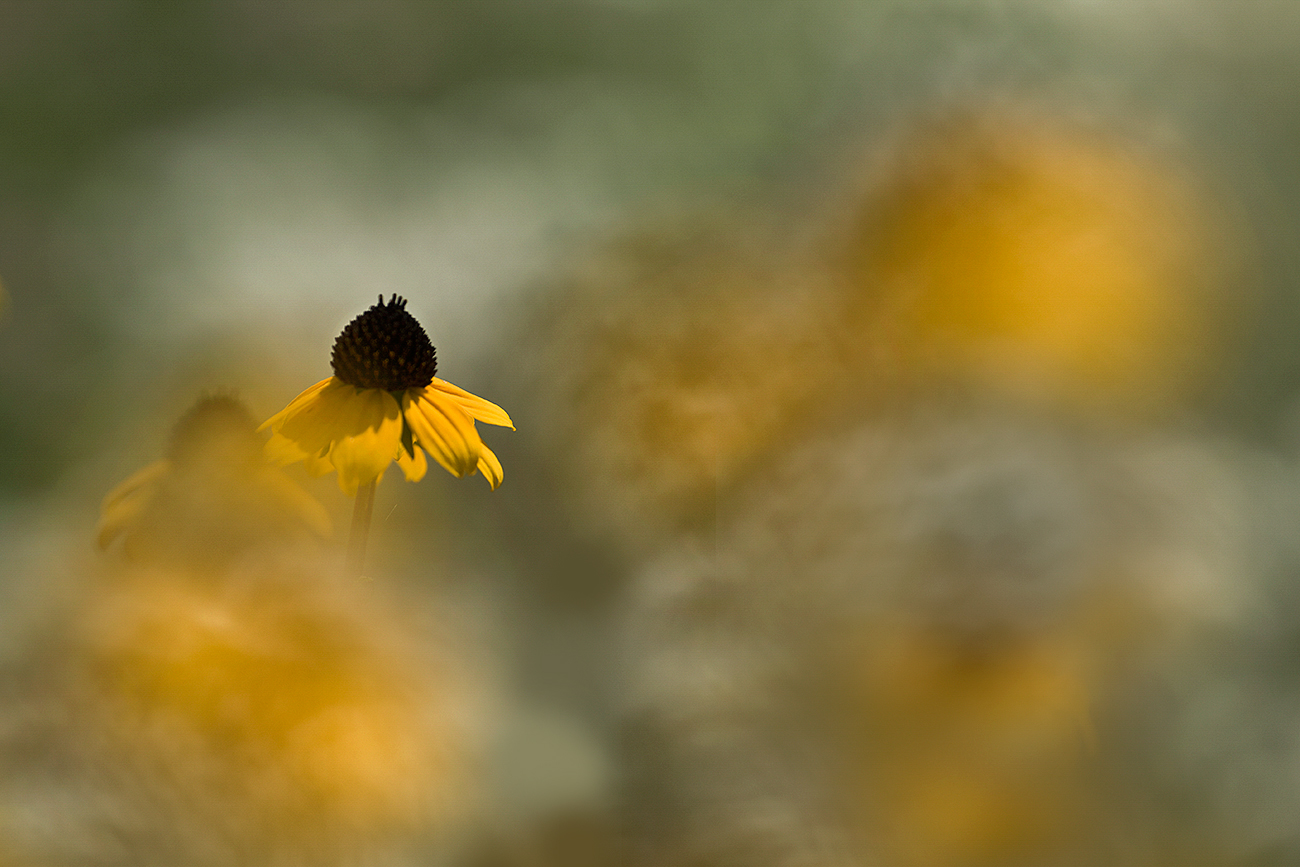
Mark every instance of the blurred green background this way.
pixel 196 196
pixel 166 167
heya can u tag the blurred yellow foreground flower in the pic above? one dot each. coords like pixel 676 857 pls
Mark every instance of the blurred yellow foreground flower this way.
pixel 384 404
pixel 211 498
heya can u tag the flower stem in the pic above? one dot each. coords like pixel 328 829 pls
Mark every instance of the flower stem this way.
pixel 361 511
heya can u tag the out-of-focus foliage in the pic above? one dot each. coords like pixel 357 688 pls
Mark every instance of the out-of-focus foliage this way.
pixel 909 641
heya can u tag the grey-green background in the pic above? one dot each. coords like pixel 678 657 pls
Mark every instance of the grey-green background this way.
pixel 196 196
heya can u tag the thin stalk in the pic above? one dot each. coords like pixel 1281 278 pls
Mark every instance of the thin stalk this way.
pixel 361 512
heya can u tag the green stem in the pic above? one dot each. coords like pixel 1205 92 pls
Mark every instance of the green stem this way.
pixel 361 512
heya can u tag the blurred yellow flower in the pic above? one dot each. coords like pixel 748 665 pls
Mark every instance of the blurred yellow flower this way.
pixel 1044 259
pixel 302 713
pixel 652 375
pixel 977 749
pixel 384 404
pixel 211 497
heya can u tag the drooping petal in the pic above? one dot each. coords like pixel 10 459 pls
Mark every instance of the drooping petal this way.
pixel 489 466
pixel 122 513
pixel 281 451
pixel 367 433
pixel 483 410
pixel 318 465
pixel 139 479
pixel 415 467
pixel 316 425
pixel 444 430
pixel 277 420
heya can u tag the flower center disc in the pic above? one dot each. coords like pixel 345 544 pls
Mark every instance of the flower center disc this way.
pixel 384 348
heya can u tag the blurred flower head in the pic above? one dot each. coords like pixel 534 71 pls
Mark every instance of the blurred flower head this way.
pixel 273 717
pixel 211 498
pixel 1042 259
pixel 384 404
pixel 971 752
pixel 670 364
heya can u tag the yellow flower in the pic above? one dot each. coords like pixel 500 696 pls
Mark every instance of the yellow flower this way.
pixel 211 497
pixel 1043 260
pixel 293 707
pixel 384 404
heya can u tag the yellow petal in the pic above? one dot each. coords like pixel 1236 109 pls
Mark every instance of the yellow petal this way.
pixel 315 424
pixel 444 430
pixel 413 468
pixel 318 465
pixel 368 431
pixel 119 515
pixel 275 421
pixel 137 480
pixel 280 450
pixel 489 466
pixel 483 410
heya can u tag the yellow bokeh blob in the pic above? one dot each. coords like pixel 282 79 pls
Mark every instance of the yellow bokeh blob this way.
pixel 297 697
pixel 673 367
pixel 1042 259
pixel 972 751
